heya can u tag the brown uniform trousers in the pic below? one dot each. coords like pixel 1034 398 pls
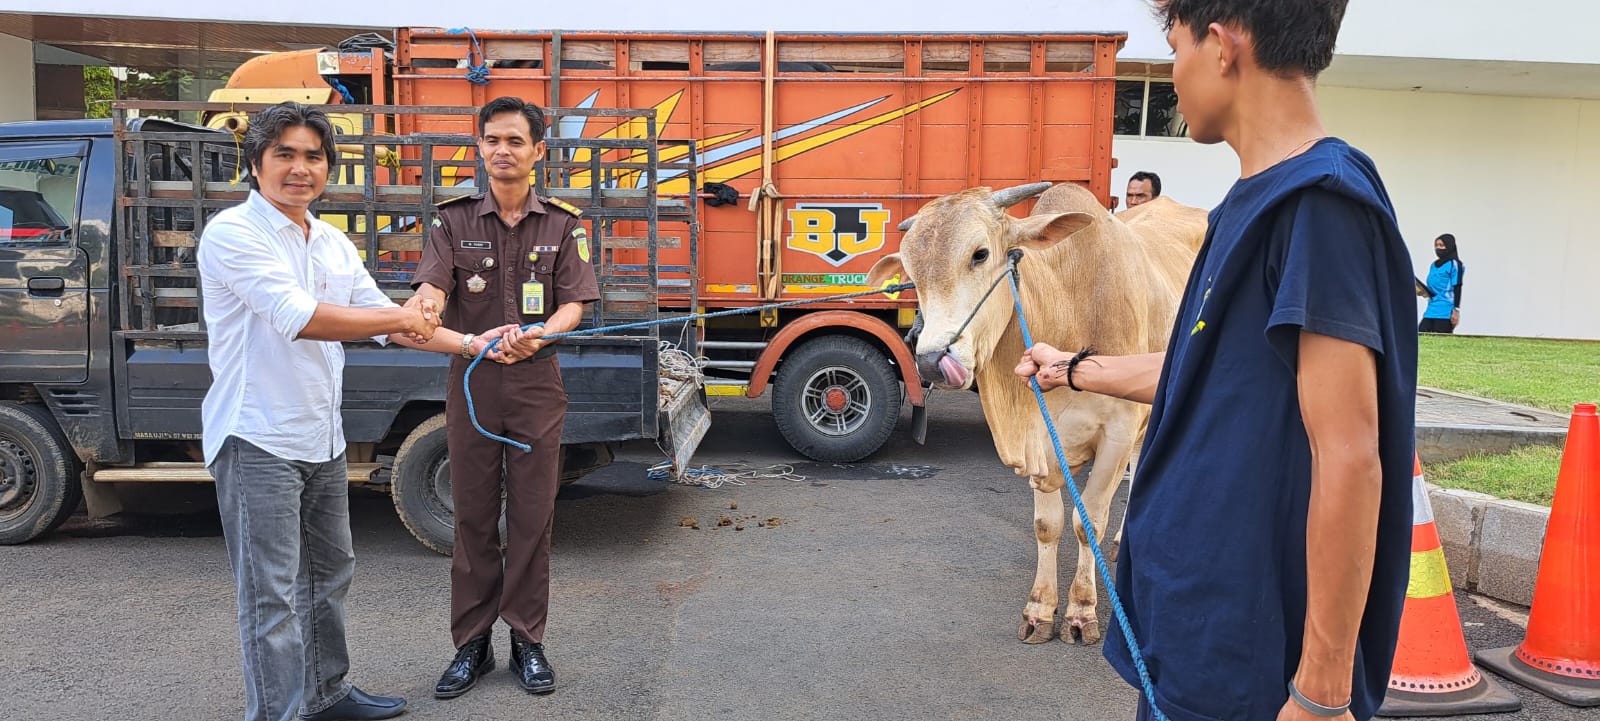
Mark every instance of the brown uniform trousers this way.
pixel 482 265
pixel 525 402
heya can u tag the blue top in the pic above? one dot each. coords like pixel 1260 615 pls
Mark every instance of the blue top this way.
pixel 1444 282
pixel 1213 561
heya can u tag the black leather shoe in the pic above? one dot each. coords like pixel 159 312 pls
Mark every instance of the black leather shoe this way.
pixel 360 706
pixel 532 669
pixel 472 660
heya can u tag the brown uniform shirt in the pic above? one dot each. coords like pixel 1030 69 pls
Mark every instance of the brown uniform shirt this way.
pixel 482 264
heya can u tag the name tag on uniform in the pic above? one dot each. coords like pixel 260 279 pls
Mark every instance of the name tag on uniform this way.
pixel 533 298
pixel 476 245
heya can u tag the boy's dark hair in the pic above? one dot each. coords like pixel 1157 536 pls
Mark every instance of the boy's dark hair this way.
pixel 1290 37
pixel 508 104
pixel 1155 181
pixel 268 124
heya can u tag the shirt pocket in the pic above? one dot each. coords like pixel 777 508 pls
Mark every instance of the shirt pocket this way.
pixel 476 278
pixel 334 287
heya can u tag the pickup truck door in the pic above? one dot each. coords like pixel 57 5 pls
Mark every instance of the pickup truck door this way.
pixel 44 296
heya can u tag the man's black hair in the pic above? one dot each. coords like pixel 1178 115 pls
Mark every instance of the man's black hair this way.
pixel 269 124
pixel 508 104
pixel 1290 37
pixel 1155 181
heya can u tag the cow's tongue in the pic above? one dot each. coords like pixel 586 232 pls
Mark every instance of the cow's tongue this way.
pixel 954 373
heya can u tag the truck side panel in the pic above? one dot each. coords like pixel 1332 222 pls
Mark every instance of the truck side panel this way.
pixel 865 130
pixel 166 382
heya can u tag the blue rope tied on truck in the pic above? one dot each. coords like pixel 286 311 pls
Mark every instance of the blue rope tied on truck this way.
pixel 479 72
pixel 472 411
pixel 1077 499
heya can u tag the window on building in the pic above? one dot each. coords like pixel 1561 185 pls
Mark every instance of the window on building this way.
pixel 1130 107
pixel 1148 108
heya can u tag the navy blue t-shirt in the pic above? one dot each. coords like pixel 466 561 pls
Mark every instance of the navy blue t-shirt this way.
pixel 1213 562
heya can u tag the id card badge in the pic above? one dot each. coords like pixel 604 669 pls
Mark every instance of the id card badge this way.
pixel 533 298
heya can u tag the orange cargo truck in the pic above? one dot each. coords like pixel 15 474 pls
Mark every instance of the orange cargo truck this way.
pixel 811 148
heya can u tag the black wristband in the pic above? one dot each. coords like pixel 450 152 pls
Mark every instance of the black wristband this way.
pixel 1072 365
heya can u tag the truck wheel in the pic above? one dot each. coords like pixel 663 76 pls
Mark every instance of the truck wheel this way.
pixel 836 399
pixel 419 484
pixel 39 474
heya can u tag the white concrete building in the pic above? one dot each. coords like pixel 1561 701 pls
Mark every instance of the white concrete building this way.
pixel 1484 117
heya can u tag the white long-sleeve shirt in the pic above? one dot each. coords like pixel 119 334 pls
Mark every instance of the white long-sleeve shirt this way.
pixel 261 279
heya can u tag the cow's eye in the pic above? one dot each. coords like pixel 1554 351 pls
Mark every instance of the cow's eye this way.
pixel 979 256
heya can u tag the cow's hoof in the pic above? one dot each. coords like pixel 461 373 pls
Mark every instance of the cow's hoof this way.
pixel 1081 630
pixel 1034 631
pixel 1111 550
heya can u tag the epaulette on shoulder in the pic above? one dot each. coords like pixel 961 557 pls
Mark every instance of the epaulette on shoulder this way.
pixel 456 199
pixel 564 205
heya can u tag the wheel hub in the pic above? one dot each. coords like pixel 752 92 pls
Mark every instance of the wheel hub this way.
pixel 17 475
pixel 836 400
pixel 441 486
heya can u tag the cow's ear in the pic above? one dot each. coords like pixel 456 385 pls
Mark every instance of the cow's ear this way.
pixel 1037 232
pixel 886 270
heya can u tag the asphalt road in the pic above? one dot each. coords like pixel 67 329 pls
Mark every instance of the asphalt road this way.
pixel 888 590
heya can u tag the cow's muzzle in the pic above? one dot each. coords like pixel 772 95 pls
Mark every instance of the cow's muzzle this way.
pixel 943 370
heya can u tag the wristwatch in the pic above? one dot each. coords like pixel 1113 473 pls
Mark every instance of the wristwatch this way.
pixel 466 346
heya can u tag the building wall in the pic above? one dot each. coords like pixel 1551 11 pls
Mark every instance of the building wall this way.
pixel 16 81
pixel 1510 177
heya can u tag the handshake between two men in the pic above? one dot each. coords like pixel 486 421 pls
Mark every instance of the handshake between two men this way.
pixel 424 315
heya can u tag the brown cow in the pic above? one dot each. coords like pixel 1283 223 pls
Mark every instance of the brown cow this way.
pixel 1087 279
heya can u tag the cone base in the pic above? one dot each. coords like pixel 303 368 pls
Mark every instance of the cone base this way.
pixel 1486 696
pixel 1570 691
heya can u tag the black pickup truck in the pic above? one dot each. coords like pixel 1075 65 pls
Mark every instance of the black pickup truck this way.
pixel 103 349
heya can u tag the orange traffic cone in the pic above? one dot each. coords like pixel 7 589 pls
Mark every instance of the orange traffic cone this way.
pixel 1432 675
pixel 1560 656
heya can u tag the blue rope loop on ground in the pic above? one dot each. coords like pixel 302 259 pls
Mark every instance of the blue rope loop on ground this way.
pixel 472 411
pixel 1077 501
pixel 479 72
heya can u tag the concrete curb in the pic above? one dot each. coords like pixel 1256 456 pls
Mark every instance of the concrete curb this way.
pixel 1491 545
pixel 1443 443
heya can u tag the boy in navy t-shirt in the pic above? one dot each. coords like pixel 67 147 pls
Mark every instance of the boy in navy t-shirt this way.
pixel 1266 549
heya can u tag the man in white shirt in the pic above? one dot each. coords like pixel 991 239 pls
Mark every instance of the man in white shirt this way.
pixel 281 289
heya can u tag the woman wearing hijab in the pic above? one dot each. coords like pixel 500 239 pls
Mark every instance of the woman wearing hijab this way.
pixel 1443 288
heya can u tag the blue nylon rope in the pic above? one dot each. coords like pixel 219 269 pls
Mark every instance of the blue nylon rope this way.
pixel 479 72
pixel 472 411
pixel 1083 513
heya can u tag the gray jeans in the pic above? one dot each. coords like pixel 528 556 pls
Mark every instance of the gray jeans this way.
pixel 287 525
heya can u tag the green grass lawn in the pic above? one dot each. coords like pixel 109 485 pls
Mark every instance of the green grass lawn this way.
pixel 1526 474
pixel 1548 374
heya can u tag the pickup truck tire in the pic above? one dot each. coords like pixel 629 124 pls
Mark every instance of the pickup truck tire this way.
pixel 39 474
pixel 419 485
pixel 836 399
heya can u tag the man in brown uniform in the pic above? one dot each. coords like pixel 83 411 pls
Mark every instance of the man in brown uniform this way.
pixel 505 257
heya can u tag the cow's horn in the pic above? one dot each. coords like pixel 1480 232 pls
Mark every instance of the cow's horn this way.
pixel 905 225
pixel 1016 194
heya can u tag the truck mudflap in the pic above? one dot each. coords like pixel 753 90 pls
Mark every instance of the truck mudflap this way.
pixel 684 421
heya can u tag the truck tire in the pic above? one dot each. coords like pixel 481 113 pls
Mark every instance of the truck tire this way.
pixel 39 474
pixel 836 399
pixel 419 484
